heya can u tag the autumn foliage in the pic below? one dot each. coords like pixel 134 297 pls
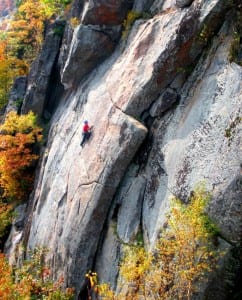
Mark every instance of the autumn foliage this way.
pixel 10 67
pixel 184 256
pixel 5 218
pixel 18 136
pixel 22 37
pixel 30 281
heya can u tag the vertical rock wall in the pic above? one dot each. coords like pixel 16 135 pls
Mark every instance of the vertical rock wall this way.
pixel 143 87
pixel 186 146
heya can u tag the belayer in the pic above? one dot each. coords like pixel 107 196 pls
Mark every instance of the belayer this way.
pixel 86 133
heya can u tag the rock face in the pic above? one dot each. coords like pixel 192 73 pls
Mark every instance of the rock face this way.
pixel 164 102
pixel 183 3
pixel 160 56
pixel 37 97
pixel 93 40
pixel 89 47
pixel 142 5
pixel 90 200
pixel 79 183
pixel 17 94
pixel 102 12
pixel 191 144
pixel 193 147
pixel 16 233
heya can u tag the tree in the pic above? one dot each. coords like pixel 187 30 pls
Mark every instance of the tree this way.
pixel 21 39
pixel 6 283
pixel 25 34
pixel 55 7
pixel 31 281
pixel 10 67
pixel 19 134
pixel 184 255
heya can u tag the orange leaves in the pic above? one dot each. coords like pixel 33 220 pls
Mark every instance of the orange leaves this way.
pixel 19 134
pixel 28 283
pixel 6 284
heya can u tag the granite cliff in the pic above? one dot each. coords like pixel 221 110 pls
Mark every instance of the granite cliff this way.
pixel 165 103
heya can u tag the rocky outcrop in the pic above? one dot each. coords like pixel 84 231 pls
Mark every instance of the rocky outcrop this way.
pixel 164 102
pixel 142 5
pixel 16 233
pixel 160 56
pixel 185 147
pixel 89 47
pixel 78 184
pixel 93 40
pixel 41 74
pixel 193 147
pixel 129 213
pixel 17 94
pixel 109 256
pixel 102 12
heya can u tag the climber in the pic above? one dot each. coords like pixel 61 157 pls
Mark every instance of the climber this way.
pixel 86 133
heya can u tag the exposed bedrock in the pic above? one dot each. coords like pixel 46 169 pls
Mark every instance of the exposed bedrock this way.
pixel 80 190
pixel 38 96
pixel 103 12
pixel 77 186
pixel 197 141
pixel 16 95
pixel 160 48
pixel 93 40
pixel 89 46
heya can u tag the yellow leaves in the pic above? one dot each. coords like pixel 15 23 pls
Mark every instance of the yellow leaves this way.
pixel 184 254
pixel 5 217
pixel 19 134
pixel 10 67
pixel 21 41
pixel 28 283
pixel 187 241
pixel 21 124
pixel 135 264
pixel 74 22
pixel 131 17
pixel 105 291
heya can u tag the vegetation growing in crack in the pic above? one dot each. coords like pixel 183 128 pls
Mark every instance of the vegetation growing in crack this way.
pixel 183 257
pixel 74 22
pixel 132 16
pixel 230 130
